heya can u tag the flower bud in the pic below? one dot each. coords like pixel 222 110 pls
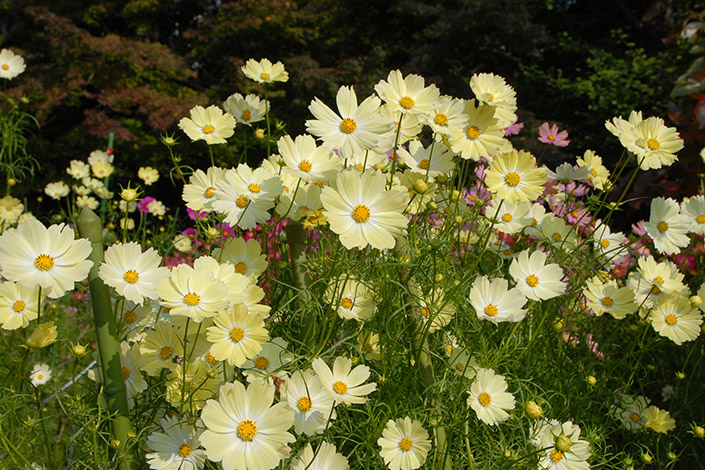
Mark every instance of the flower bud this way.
pixel 646 458
pixel 420 186
pixel 533 409
pixel 128 194
pixel 696 301
pixel 43 335
pixel 591 380
pixel 78 350
pixel 563 443
pixel 259 133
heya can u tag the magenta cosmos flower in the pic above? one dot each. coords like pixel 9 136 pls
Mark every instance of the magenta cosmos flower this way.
pixel 550 135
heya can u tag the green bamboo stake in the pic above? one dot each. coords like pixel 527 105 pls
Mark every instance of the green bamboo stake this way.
pixel 297 241
pixel 90 227
pixel 421 352
pixel 106 181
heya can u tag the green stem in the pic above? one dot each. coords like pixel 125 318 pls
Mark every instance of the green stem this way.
pixel 296 240
pixel 42 424
pixel 90 227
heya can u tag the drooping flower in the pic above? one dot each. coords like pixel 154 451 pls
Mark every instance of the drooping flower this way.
pixel 405 444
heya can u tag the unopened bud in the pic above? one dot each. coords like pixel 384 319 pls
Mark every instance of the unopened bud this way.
pixel 533 409
pixel 591 380
pixel 420 186
pixel 563 443
pixel 259 133
pixel 128 194
pixel 78 350
pixel 647 458
pixel 696 301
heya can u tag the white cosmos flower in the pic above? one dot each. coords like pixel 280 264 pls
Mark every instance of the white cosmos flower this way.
pixel 343 384
pixel 312 404
pixel 355 129
pixel 667 227
pixel 495 302
pixel 50 257
pixel 489 398
pixel 133 273
pixel 325 458
pixel 408 95
pixel 363 212
pixel 244 431
pixel 405 444
pixel 176 448
pixel 536 279
pixel 307 161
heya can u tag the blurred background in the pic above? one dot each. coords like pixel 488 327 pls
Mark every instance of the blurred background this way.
pixel 134 68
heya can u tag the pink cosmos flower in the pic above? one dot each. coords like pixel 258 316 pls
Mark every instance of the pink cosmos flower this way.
pixel 550 135
pixel 513 129
pixel 142 205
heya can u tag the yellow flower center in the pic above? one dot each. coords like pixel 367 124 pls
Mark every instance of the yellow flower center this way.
pixel 348 126
pixel 261 363
pixel 556 237
pixel 209 192
pixel 346 303
pixel 491 310
pixel 441 119
pixel 507 217
pixel 246 115
pixel 359 167
pixel 634 416
pixel 18 306
pixel 208 129
pixel 361 213
pixel 165 353
pixel 406 444
pixel 607 301
pixel 473 132
pixel 5 67
pixel 426 312
pixel 655 290
pixel 247 430
pixel 459 366
pixel 241 202
pixel 659 280
pixel 605 244
pixel 185 450
pixel 532 280
pixel 671 319
pixel 241 267
pixel 340 388
pixel 211 359
pixel 662 227
pixel 551 137
pixel 305 166
pixel 236 334
pixel 556 455
pixel 44 262
pixel 264 76
pixel 131 276
pixel 125 373
pixel 255 188
pixel 699 219
pixel 8 207
pixel 484 399
pixel 407 102
pixel 40 376
pixel 512 179
pixel 191 299
pixel 130 316
pixel 653 144
pixel 423 164
pixel 304 404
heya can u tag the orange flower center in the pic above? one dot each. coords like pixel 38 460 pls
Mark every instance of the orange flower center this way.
pixel 441 119
pixel 261 363
pixel 491 310
pixel 246 115
pixel 361 213
pixel 304 404
pixel 556 455
pixel 247 430
pixel 125 373
pixel 607 301
pixel 671 319
pixel 473 132
pixel 407 102
pixel 346 303
pixel 532 280
pixel 165 353
pixel 18 306
pixel 348 126
pixel 44 262
pixel 241 202
pixel 305 166
pixel 236 334
pixel 241 267
pixel 191 299
pixel 5 67
pixel 662 227
pixel 255 188
pixel 605 244
pixel 185 450
pixel 406 444
pixel 209 192
pixel 264 76
pixel 507 217
pixel 423 164
pixel 208 129
pixel 699 219
pixel 130 316
pixel 340 388
pixel 484 399
pixel 131 276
